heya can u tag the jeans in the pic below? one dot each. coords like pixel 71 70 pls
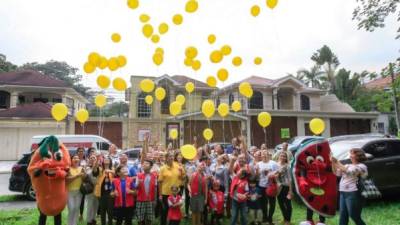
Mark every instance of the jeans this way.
pixel 350 205
pixel 265 202
pixel 92 204
pixel 285 204
pixel 124 214
pixel 106 205
pixel 74 201
pixel 239 207
pixel 164 212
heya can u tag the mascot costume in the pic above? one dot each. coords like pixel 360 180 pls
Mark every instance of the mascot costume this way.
pixel 48 169
pixel 314 180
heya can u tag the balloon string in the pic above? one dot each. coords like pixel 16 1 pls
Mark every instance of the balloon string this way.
pixel 223 129
pixel 265 136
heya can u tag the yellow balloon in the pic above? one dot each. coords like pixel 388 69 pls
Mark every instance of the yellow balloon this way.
pixel 103 81
pixel 211 39
pixel 191 52
pixel 160 93
pixel 116 37
pixel 158 58
pixel 211 81
pixel 82 115
pixel 255 10
pixel 264 119
pixel 208 108
pixel 59 111
pixel 144 18
pixel 148 99
pixel 173 134
pixel 89 67
pixel 155 38
pixel 237 61
pixel 196 65
pixel 121 61
pixel 163 28
pixel 208 134
pixel 94 58
pixel 188 62
pixel 216 56
pixel 245 89
pixel 257 60
pixel 272 3
pixel 147 30
pixel 146 85
pixel 222 74
pixel 181 99
pixel 236 106
pixel 160 50
pixel 103 63
pixel 177 19
pixel 188 152
pixel 133 4
pixel 226 50
pixel 119 84
pixel 317 126
pixel 189 86
pixel 100 101
pixel 191 6
pixel 223 109
pixel 113 64
pixel 175 108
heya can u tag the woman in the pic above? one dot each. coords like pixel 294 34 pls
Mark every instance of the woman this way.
pixel 74 181
pixel 221 173
pixel 179 159
pixel 284 180
pixel 92 203
pixel 198 193
pixel 350 196
pixel 82 162
pixel 190 168
pixel 103 191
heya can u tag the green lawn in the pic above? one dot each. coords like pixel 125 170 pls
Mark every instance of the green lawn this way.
pixel 376 213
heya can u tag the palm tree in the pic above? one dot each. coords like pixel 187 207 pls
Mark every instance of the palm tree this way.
pixel 347 86
pixel 326 58
pixel 311 77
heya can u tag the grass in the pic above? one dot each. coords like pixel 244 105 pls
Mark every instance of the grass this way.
pixel 11 198
pixel 385 212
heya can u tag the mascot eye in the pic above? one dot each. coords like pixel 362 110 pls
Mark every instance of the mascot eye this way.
pixel 310 159
pixel 320 158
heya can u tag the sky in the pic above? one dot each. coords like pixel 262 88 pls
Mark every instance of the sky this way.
pixel 286 37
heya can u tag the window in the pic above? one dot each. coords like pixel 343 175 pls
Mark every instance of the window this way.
pixel 103 146
pixel 217 102
pixel 381 128
pixel 231 98
pixel 57 100
pixel 256 102
pixel 44 100
pixel 378 149
pixel 143 110
pixel 21 99
pixel 305 102
pixel 186 100
pixel 165 102
pixel 4 100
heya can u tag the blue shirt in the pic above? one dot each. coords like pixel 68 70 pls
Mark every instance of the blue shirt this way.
pixel 254 201
pixel 132 171
pixel 123 190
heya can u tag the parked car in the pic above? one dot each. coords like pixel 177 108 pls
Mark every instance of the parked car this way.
pixel 383 158
pixel 133 155
pixel 295 142
pixel 356 137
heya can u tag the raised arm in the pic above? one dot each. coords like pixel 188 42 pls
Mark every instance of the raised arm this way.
pixel 145 149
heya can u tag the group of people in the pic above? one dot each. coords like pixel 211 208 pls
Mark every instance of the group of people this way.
pixel 240 183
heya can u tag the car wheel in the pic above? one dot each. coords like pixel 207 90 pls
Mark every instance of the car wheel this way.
pixel 30 192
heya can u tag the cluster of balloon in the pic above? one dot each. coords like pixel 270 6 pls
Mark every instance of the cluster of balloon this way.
pixel 148 31
pixel 208 108
pixel 236 106
pixel 223 109
pixel 190 59
pixel 82 115
pixel 173 134
pixel 189 152
pixel 264 119
pixel 59 111
pixel 255 9
pixel 317 126
pixel 100 101
pixel 95 60
pixel 147 86
pixel 208 134
pixel 245 89
pixel 119 84
pixel 189 86
pixel 158 56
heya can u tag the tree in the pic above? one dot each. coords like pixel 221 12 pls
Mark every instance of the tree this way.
pixel 371 14
pixel 328 60
pixel 62 71
pixel 120 109
pixel 6 66
pixel 311 77
pixel 347 86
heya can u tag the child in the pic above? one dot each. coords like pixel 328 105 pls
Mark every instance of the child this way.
pixel 253 202
pixel 216 203
pixel 239 191
pixel 123 191
pixel 175 202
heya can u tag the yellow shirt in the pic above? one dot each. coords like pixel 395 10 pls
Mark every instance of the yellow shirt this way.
pixel 170 176
pixel 76 183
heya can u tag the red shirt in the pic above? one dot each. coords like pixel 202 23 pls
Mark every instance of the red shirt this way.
pixel 174 213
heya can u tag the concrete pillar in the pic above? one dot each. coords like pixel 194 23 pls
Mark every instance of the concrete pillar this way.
pixel 14 99
pixel 275 97
pixel 300 126
pixel 327 132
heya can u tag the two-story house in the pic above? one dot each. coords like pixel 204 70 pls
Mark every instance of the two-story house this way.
pixel 25 109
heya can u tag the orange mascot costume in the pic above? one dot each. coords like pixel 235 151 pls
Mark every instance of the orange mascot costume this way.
pixel 48 170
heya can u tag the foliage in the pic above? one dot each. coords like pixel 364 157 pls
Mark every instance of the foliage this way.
pixel 120 109
pixel 371 14
pixel 347 86
pixel 311 77
pixel 329 61
pixel 6 66
pixel 392 126
pixel 62 71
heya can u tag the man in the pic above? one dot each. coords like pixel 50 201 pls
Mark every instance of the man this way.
pixel 284 149
pixel 230 149
pixel 112 152
pixel 123 161
pixel 146 184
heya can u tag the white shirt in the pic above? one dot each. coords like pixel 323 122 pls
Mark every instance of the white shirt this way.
pixel 264 169
pixel 348 183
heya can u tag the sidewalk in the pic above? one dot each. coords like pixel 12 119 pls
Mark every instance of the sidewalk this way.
pixel 5 166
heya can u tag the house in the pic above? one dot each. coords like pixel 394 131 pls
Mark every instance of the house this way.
pixel 291 103
pixel 26 98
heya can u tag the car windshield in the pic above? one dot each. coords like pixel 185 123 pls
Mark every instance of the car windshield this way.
pixel 340 149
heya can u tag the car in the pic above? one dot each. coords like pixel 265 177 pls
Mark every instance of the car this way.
pixel 224 145
pixel 383 158
pixel 356 137
pixel 133 155
pixel 295 142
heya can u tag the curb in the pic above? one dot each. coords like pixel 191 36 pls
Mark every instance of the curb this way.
pixel 5 172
